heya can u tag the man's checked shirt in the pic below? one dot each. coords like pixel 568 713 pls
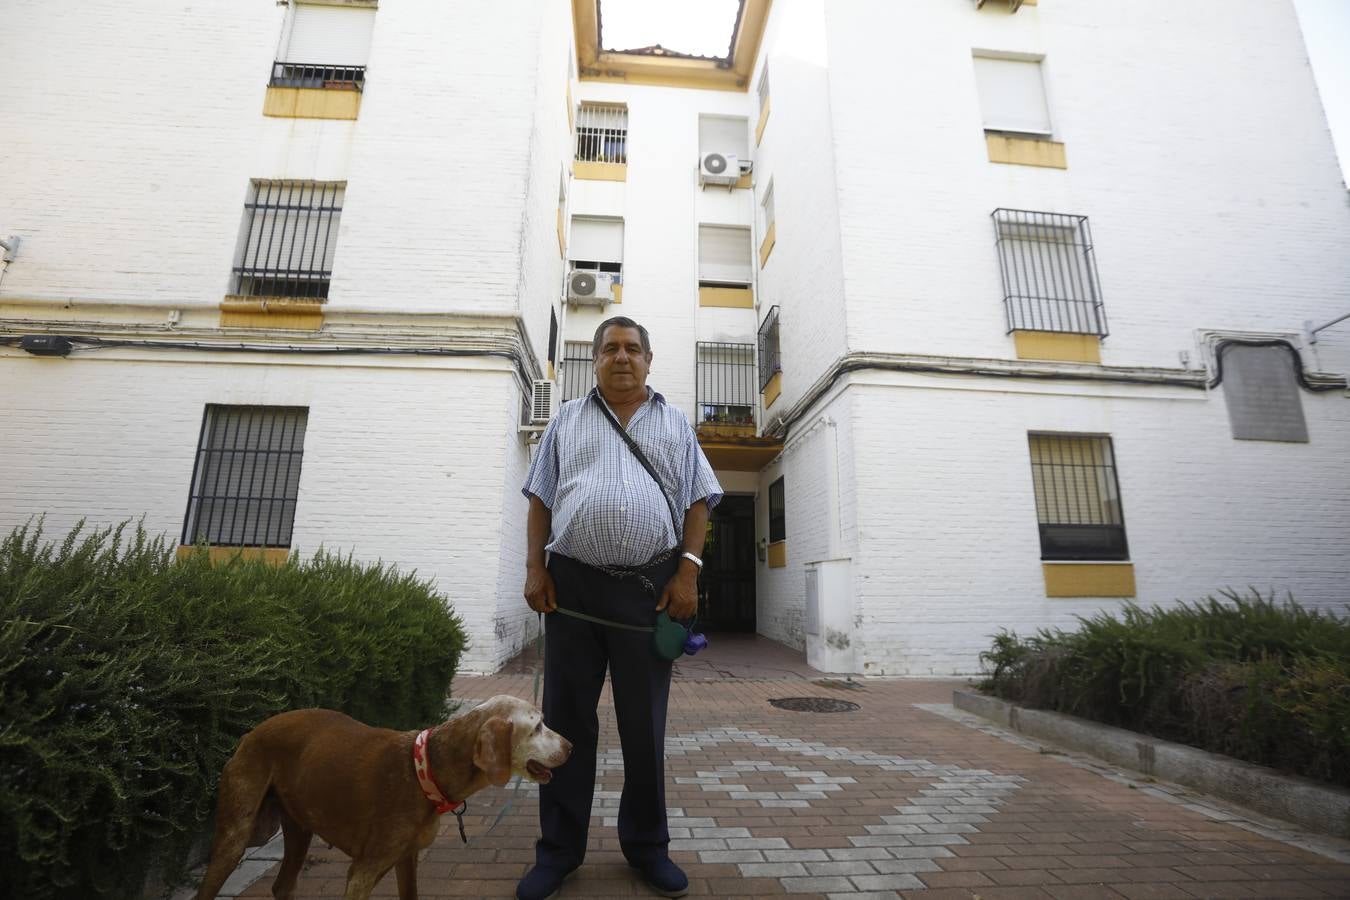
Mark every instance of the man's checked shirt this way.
pixel 606 509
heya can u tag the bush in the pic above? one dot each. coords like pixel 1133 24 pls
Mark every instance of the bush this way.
pixel 1248 677
pixel 128 676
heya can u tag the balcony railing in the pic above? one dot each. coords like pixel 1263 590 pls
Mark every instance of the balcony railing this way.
pixel 725 385
pixel 575 372
pixel 308 75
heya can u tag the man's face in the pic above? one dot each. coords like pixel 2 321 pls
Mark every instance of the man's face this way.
pixel 621 365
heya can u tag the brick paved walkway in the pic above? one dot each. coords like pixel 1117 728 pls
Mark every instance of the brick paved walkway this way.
pixel 890 800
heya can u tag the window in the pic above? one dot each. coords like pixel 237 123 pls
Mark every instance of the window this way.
pixel 777 513
pixel 578 375
pixel 1261 392
pixel 596 244
pixel 769 364
pixel 325 47
pixel 602 133
pixel 722 134
pixel 552 338
pixel 1049 272
pixel 1077 497
pixel 287 238
pixel 724 258
pixel 247 476
pixel 1012 95
pixel 766 209
pixel 726 383
pixel 763 89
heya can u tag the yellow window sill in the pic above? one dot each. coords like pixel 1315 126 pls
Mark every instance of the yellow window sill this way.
pixel 287 313
pixel 727 297
pixel 1020 151
pixel 274 555
pixel 772 389
pixel 777 554
pixel 766 245
pixel 1054 345
pixel 1088 579
pixel 311 103
pixel 599 171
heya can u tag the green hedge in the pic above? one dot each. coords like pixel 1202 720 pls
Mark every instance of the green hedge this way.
pixel 127 677
pixel 1245 676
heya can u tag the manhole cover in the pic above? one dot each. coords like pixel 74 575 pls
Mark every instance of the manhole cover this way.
pixel 814 704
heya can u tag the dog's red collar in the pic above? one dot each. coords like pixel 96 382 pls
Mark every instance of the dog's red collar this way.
pixel 427 780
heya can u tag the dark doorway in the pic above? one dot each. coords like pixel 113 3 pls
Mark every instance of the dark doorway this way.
pixel 726 594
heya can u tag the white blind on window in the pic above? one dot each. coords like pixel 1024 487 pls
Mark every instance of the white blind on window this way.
pixel 718 134
pixel 330 35
pixel 598 240
pixel 724 254
pixel 1012 95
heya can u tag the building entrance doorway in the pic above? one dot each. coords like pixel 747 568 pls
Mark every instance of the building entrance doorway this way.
pixel 726 587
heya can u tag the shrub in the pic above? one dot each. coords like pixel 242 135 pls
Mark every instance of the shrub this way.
pixel 128 676
pixel 1246 676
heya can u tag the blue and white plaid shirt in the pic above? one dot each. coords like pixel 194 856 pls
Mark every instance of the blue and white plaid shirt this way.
pixel 607 511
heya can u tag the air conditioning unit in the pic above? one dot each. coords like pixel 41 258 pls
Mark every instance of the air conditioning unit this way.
pixel 718 168
pixel 590 286
pixel 543 401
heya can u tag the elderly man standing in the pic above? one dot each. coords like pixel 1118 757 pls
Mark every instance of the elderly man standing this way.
pixel 615 552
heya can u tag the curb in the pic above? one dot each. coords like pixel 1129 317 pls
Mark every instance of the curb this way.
pixel 1313 805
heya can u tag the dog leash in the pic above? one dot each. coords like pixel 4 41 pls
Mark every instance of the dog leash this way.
pixel 515 788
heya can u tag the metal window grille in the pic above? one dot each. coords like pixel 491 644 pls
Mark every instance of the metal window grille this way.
pixel 1049 272
pixel 287 238
pixel 777 513
pixel 246 477
pixel 1078 505
pixel 576 372
pixel 310 75
pixel 725 380
pixel 769 363
pixel 602 133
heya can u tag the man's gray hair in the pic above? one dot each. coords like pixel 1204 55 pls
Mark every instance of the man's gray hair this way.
pixel 619 322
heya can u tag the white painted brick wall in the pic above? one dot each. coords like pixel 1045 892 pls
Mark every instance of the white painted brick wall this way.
pixel 404 461
pixel 947 537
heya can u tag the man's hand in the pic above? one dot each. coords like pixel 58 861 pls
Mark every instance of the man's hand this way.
pixel 681 593
pixel 539 590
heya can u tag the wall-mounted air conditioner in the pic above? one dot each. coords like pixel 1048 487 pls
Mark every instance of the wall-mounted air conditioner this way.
pixel 586 286
pixel 718 168
pixel 543 401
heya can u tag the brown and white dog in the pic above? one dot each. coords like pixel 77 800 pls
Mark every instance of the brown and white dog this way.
pixel 316 771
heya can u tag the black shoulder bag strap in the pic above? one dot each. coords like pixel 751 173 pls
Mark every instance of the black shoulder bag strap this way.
pixel 642 458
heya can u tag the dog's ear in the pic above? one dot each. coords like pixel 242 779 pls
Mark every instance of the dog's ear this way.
pixel 492 752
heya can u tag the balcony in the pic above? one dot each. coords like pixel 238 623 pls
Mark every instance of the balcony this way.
pixel 726 395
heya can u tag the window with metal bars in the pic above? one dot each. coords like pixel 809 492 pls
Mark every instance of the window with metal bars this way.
pixel 246 477
pixel 777 513
pixel 287 238
pixel 576 372
pixel 725 380
pixel 1077 497
pixel 769 363
pixel 602 133
pixel 1049 272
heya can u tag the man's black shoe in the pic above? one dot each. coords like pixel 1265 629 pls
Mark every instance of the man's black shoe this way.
pixel 541 883
pixel 664 877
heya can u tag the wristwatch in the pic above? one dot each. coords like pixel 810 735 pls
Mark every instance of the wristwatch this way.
pixel 692 558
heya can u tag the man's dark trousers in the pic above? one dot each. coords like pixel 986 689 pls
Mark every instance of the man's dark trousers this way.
pixel 575 656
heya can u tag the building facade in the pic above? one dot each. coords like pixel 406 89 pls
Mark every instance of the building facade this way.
pixel 987 314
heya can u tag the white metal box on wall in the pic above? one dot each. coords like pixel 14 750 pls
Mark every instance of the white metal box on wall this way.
pixel 829 616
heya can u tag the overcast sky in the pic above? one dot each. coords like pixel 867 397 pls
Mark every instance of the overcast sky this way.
pixel 1326 30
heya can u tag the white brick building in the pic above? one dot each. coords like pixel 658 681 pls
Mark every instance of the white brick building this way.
pixel 1003 250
